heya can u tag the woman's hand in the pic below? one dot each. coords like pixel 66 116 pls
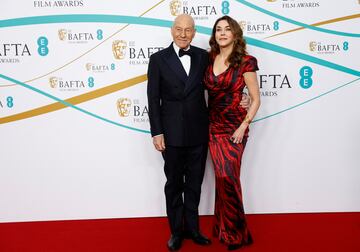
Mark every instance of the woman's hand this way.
pixel 238 135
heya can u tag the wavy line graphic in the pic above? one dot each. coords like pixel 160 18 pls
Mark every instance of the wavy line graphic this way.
pixel 88 51
pixel 330 21
pixel 166 23
pixel 72 102
pixel 83 18
pixel 255 7
pixel 307 101
pixel 302 56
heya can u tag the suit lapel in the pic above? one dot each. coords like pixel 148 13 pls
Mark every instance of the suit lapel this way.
pixel 175 64
pixel 194 69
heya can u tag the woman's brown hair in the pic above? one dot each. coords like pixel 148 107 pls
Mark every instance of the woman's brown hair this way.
pixel 239 49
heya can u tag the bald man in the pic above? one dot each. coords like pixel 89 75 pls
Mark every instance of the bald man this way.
pixel 179 127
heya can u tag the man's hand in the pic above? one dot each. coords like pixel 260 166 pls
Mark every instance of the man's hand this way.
pixel 245 101
pixel 159 142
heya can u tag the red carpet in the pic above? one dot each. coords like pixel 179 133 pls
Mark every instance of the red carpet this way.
pixel 330 232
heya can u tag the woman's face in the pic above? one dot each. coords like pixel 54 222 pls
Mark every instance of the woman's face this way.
pixel 223 34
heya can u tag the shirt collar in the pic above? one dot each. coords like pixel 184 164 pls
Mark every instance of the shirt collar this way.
pixel 177 49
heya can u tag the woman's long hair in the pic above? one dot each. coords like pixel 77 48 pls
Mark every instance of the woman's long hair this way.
pixel 239 49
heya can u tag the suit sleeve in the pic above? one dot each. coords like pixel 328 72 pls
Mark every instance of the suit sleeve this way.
pixel 154 98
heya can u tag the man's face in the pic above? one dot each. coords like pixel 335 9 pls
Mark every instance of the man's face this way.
pixel 183 31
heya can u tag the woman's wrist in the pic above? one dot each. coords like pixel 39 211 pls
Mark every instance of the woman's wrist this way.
pixel 247 120
pixel 244 125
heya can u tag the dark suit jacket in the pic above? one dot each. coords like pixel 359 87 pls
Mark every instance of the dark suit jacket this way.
pixel 177 106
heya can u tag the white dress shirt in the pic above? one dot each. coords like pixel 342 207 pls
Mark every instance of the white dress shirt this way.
pixel 185 59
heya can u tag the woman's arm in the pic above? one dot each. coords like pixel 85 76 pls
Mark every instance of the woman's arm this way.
pixel 254 93
pixel 251 82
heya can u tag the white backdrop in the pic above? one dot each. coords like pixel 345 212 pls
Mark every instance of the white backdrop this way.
pixel 74 140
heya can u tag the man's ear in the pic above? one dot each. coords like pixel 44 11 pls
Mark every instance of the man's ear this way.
pixel 194 33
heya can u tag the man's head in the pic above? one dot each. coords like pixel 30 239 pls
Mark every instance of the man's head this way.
pixel 183 30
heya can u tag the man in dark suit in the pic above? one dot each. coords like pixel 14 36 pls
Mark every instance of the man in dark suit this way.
pixel 179 127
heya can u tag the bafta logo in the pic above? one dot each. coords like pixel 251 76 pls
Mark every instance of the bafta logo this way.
pixel 119 49
pixel 175 6
pixel 88 66
pixel 62 34
pixel 123 106
pixel 312 46
pixel 53 82
pixel 242 25
pixel 271 0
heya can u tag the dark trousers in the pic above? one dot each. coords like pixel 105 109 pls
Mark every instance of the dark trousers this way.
pixel 184 169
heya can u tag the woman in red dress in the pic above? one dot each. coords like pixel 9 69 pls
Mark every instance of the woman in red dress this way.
pixel 230 70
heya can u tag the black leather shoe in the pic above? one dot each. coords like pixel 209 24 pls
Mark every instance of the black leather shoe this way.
pixel 175 242
pixel 198 238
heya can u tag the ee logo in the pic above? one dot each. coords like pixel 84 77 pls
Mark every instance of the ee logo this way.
pixel 306 73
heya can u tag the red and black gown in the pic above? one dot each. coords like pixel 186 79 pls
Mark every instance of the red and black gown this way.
pixel 225 93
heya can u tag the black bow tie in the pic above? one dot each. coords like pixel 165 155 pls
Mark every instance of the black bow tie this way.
pixel 182 52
